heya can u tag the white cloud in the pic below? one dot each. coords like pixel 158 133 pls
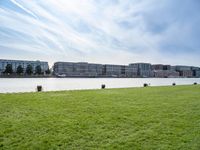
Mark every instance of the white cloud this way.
pixel 116 31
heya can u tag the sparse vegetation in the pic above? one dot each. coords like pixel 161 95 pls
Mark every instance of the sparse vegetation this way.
pixel 29 70
pixel 9 69
pixel 20 70
pixel 38 70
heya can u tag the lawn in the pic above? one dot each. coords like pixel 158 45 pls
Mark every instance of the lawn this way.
pixel 134 118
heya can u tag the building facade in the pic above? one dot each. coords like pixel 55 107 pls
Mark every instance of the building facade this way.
pixel 143 69
pixel 183 68
pixel 84 69
pixel 15 63
pixel 113 70
pixel 131 71
pixel 80 69
pixel 196 72
pixel 185 71
pixel 164 71
pixel 166 74
pixel 160 67
pixel 157 67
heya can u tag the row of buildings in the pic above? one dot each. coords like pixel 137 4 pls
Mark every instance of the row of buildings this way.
pixel 134 70
pixel 16 63
pixel 84 69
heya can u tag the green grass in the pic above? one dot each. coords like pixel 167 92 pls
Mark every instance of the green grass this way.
pixel 135 118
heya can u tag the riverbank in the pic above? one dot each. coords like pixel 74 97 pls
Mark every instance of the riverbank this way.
pixel 133 118
pixel 26 76
pixel 89 77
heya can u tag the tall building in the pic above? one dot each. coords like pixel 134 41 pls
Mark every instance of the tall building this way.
pixel 23 63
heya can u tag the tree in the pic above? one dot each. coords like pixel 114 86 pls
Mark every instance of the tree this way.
pixel 8 69
pixel 48 71
pixel 38 69
pixel 20 70
pixel 29 69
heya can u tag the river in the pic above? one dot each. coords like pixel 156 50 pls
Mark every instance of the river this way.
pixel 10 85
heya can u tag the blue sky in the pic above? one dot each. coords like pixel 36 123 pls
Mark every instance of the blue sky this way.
pixel 101 31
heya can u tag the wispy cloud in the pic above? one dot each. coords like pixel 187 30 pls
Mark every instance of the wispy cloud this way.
pixel 114 31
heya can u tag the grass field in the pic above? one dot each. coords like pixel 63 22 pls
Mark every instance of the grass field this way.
pixel 135 118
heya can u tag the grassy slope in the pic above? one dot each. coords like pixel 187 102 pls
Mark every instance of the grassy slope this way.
pixel 138 118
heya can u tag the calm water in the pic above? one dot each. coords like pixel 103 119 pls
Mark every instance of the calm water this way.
pixel 55 84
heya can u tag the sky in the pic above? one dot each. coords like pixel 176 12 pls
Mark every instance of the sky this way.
pixel 101 31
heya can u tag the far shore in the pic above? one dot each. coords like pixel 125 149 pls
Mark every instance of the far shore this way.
pixel 53 76
pixel 25 76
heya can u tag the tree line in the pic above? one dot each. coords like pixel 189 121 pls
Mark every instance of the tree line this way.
pixel 29 70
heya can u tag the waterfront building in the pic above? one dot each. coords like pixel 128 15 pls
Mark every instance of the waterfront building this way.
pixel 95 69
pixel 164 71
pixel 161 67
pixel 157 67
pixel 143 69
pixel 166 67
pixel 166 74
pixel 173 68
pixel 185 71
pixel 113 70
pixel 183 68
pixel 66 68
pixel 131 71
pixel 80 69
pixel 196 72
pixel 84 69
pixel 23 63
